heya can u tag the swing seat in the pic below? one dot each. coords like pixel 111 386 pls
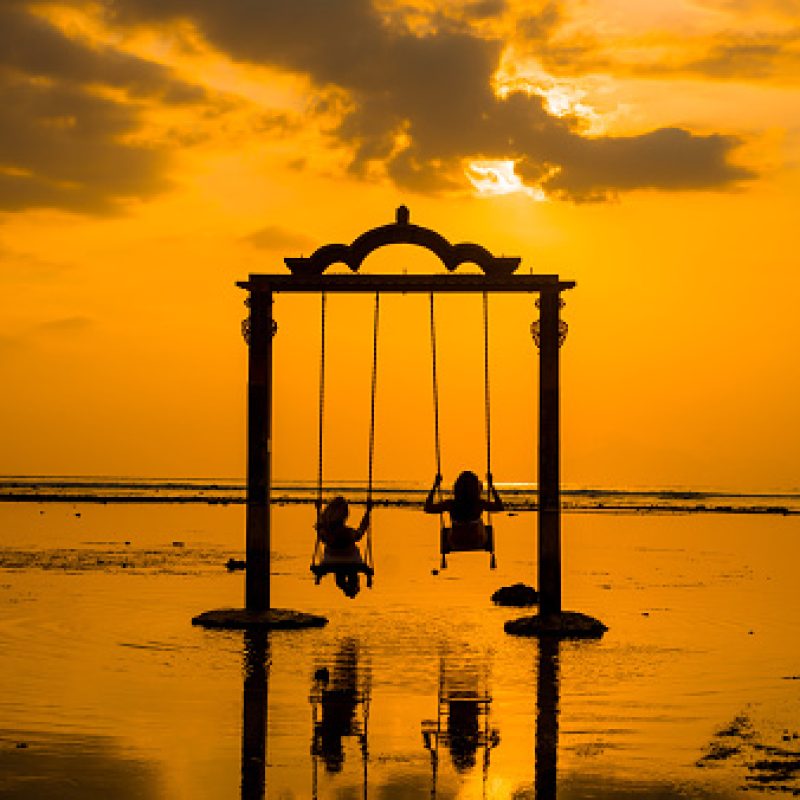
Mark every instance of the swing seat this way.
pixel 332 564
pixel 463 537
pixel 467 537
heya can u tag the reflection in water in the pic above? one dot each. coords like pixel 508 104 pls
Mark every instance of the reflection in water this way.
pixel 547 695
pixel 462 718
pixel 254 715
pixel 340 698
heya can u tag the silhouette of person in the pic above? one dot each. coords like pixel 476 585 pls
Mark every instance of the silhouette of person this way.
pixel 341 552
pixel 466 508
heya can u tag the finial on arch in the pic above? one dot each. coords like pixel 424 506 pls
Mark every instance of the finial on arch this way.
pixel 401 232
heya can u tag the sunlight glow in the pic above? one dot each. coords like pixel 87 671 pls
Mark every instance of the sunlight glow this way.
pixel 561 99
pixel 498 177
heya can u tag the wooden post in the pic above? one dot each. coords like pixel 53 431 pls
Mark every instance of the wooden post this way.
pixel 259 445
pixel 549 455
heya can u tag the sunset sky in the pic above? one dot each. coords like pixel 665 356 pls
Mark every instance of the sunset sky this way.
pixel 153 152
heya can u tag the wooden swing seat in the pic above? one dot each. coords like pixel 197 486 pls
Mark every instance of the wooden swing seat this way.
pixel 465 537
pixel 333 565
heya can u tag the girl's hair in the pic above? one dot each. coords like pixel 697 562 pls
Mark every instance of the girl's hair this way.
pixel 335 513
pixel 467 492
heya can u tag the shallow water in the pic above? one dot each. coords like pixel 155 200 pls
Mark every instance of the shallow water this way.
pixel 413 689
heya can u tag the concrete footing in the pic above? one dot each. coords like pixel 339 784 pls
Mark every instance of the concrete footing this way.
pixel 566 625
pixel 272 619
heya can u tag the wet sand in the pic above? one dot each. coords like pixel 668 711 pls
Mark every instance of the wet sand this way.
pixel 413 687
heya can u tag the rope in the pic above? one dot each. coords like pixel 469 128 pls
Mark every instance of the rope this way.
pixel 487 400
pixel 321 419
pixel 373 394
pixel 435 382
pixel 436 438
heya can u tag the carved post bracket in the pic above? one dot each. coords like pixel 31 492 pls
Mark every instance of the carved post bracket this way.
pixel 563 328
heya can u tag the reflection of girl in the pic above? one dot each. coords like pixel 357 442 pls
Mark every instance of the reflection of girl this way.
pixel 465 508
pixel 339 701
pixel 340 539
pixel 463 728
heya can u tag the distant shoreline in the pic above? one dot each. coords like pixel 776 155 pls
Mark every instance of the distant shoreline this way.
pixel 518 500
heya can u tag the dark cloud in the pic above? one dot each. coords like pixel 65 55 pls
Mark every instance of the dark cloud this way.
pixel 749 57
pixel 670 159
pixel 483 9
pixel 35 47
pixel 65 144
pixel 419 105
pixel 62 147
pixel 274 237
pixel 65 326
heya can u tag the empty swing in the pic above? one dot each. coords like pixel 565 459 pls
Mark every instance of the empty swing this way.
pixel 350 559
pixel 468 531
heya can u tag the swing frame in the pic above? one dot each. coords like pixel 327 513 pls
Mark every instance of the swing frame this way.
pixel 307 275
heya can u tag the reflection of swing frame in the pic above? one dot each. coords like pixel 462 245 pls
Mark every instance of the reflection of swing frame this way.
pixel 308 277
pixel 437 733
pixel 360 729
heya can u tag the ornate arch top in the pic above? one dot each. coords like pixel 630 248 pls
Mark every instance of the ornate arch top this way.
pixel 401 232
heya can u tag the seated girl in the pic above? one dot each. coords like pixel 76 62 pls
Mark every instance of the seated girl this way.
pixel 341 553
pixel 466 508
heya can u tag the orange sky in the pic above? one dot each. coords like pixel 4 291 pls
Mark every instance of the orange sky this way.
pixel 152 152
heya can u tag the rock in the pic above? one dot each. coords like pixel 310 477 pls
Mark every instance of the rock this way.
pixel 322 675
pixel 566 625
pixel 274 618
pixel 518 595
pixel 232 564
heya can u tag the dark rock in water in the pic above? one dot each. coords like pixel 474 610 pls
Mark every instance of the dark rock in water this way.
pixel 232 564
pixel 322 675
pixel 179 544
pixel 566 625
pixel 274 618
pixel 518 595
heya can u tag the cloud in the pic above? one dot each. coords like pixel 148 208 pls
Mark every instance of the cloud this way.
pixel 62 147
pixel 64 143
pixel 65 326
pixel 418 105
pixel 274 237
pixel 749 57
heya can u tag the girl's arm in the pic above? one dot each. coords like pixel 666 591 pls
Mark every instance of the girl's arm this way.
pixel 431 506
pixel 364 524
pixel 495 502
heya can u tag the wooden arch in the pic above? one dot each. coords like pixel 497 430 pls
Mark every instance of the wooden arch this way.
pixel 401 231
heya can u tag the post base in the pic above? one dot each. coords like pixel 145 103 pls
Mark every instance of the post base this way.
pixel 566 625
pixel 271 619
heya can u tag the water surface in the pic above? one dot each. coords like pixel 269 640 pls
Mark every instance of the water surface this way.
pixel 413 689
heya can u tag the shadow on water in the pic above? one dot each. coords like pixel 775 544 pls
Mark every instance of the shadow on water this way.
pixel 547 700
pixel 254 714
